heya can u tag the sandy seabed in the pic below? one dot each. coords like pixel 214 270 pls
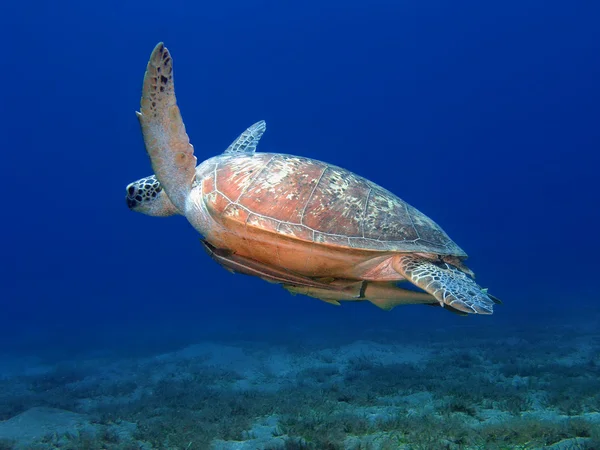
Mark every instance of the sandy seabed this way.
pixel 455 388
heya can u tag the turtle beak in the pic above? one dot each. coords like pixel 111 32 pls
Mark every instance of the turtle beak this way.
pixel 130 198
pixel 131 203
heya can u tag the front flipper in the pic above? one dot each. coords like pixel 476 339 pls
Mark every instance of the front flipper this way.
pixel 166 140
pixel 247 142
pixel 446 283
pixel 239 264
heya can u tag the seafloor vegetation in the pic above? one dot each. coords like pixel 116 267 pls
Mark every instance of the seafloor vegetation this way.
pixel 460 389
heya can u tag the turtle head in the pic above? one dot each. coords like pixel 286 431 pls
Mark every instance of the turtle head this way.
pixel 148 197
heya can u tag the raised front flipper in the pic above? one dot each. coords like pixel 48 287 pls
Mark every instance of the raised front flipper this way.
pixel 166 140
pixel 446 283
pixel 239 264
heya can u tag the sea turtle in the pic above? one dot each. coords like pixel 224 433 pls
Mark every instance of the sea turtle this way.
pixel 313 227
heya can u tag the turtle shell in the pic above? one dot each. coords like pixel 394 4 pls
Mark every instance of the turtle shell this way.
pixel 318 202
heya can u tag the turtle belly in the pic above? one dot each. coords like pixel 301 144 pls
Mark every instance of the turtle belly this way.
pixel 311 259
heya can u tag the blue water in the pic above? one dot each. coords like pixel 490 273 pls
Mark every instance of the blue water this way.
pixel 483 116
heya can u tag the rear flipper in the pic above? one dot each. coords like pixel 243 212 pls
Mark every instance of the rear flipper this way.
pixel 385 295
pixel 446 283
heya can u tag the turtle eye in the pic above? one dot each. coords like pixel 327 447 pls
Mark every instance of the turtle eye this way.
pixel 131 191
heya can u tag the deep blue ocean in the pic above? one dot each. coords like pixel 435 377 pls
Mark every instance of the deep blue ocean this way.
pixel 483 115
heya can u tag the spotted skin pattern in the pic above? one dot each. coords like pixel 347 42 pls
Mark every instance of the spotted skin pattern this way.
pixel 142 190
pixel 446 283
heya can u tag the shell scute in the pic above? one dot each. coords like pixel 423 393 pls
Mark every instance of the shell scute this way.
pixel 337 204
pixel 372 244
pixel 235 174
pixel 282 188
pixel 235 211
pixel 262 222
pixel 333 239
pixel 387 218
pixel 297 231
pixel 318 202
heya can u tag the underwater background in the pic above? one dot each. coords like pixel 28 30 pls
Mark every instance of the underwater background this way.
pixel 483 115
